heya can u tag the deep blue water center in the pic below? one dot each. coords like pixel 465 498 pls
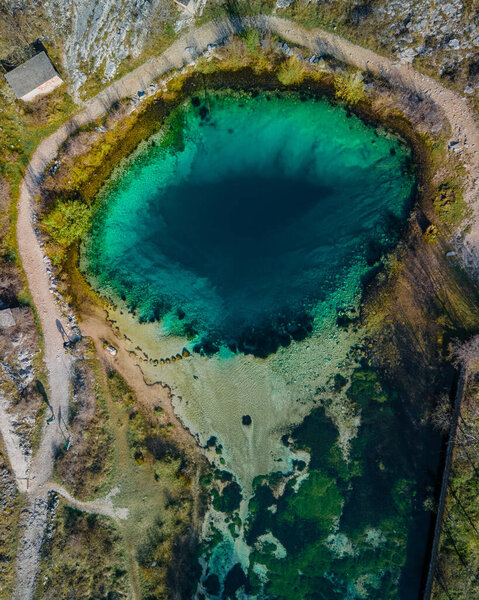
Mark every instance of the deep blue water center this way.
pixel 237 234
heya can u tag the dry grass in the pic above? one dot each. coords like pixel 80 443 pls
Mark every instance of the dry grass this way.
pixel 85 468
pixel 162 529
pixel 83 559
pixel 291 71
pixel 156 481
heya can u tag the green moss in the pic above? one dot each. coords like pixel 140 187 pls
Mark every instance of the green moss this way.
pixel 449 203
pixel 229 499
pixel 365 387
pixel 367 496
pixel 299 576
pixel 318 499
pixel 174 131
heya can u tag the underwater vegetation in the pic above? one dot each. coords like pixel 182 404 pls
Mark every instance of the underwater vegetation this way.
pixel 343 528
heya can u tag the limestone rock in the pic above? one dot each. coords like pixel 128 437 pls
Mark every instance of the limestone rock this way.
pixel 6 319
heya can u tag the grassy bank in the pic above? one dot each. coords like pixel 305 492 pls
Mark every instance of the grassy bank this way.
pixel 82 557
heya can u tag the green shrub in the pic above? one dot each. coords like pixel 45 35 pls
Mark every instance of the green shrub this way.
pixel 252 40
pixel 68 222
pixel 350 87
pixel 291 71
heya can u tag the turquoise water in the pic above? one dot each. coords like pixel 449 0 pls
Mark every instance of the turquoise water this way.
pixel 260 216
pixel 246 231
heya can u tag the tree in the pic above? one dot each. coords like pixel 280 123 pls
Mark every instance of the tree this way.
pixel 350 87
pixel 465 353
pixel 252 40
pixel 291 71
pixel 68 222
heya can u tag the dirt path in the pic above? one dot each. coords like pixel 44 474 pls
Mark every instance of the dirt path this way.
pixel 464 130
pixel 102 506
pixel 34 516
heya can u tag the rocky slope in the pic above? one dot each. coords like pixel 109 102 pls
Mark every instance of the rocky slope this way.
pixel 445 35
pixel 441 38
pixel 91 38
pixel 94 35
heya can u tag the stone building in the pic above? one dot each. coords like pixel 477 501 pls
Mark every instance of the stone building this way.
pixel 34 77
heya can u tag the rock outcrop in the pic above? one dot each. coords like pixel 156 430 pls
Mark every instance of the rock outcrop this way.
pixel 96 35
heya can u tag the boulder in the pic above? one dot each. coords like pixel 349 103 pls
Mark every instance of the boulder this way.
pixel 6 319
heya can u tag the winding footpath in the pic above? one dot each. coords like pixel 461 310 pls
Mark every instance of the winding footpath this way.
pixel 464 130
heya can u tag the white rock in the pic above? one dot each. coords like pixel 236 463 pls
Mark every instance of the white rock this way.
pixel 6 319
pixel 112 350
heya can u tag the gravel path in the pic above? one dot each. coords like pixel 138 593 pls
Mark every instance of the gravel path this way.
pixel 464 130
pixel 100 506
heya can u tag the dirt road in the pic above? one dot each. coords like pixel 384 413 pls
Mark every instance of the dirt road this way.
pixel 464 130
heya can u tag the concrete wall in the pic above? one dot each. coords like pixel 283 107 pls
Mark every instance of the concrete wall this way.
pixel 45 88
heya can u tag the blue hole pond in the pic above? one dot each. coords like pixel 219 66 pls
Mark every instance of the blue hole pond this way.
pixel 236 245
pixel 263 213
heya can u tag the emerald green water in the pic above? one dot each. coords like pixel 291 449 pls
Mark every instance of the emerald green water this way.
pixel 245 232
pixel 260 216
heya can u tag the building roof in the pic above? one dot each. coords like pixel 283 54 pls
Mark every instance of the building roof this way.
pixel 31 74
